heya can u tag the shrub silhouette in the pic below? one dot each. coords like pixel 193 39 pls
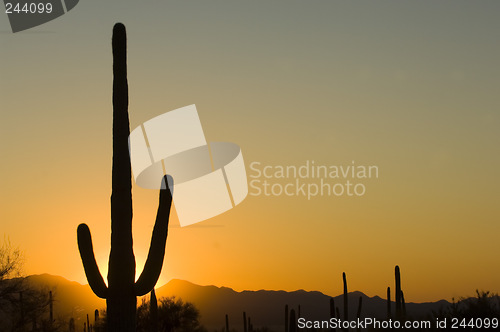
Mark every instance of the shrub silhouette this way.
pixel 173 315
pixel 122 291
pixel 484 305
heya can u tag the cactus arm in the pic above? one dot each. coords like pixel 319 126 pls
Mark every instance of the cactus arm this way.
pixel 152 268
pixel 94 277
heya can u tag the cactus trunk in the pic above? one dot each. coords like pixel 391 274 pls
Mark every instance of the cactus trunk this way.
pixel 121 300
pixel 97 328
pixel 122 290
pixel 293 321
pixel 153 310
pixel 397 274
pixel 403 304
pixel 72 325
pixel 346 309
pixel 286 318
pixel 388 302
pixel 358 314
pixel 51 309
pixel 332 311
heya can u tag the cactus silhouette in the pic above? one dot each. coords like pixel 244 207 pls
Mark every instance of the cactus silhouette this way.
pixel 153 310
pixel 403 304
pixel 360 304
pixel 332 311
pixel 122 290
pixel 346 308
pixel 358 313
pixel 389 303
pixel 97 328
pixel 72 325
pixel 245 322
pixel 397 275
pixel 51 310
pixel 286 318
pixel 293 322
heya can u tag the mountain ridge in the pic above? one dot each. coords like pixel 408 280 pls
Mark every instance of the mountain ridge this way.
pixel 265 307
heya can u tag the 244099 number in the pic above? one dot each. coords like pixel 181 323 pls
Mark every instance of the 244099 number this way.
pixel 28 8
pixel 474 323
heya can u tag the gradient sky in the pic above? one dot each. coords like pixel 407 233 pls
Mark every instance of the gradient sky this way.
pixel 411 87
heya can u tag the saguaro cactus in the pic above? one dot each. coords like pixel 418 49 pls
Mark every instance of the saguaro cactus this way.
pixel 358 313
pixel 97 327
pixel 51 309
pixel 332 311
pixel 122 290
pixel 360 304
pixel 388 302
pixel 403 304
pixel 153 311
pixel 71 324
pixel 286 318
pixel 346 307
pixel 293 322
pixel 397 275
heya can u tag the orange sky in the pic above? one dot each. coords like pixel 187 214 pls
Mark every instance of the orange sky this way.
pixel 411 88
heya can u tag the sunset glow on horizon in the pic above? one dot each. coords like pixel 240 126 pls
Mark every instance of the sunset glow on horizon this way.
pixel 405 93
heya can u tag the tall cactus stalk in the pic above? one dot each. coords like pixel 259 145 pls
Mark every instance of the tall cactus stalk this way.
pixel 227 323
pixel 358 313
pixel 71 325
pixel 51 309
pixel 397 274
pixel 346 308
pixel 245 322
pixel 153 310
pixel 332 311
pixel 293 321
pixel 360 304
pixel 97 328
pixel 286 318
pixel 403 304
pixel 122 290
pixel 388 302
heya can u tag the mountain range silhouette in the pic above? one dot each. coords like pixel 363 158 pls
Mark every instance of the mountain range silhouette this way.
pixel 265 307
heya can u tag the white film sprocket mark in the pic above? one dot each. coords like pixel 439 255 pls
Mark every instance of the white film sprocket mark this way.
pixel 209 179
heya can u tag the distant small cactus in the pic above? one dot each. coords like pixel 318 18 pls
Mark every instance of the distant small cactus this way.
pixel 293 321
pixel 397 275
pixel 153 310
pixel 286 318
pixel 389 303
pixel 346 307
